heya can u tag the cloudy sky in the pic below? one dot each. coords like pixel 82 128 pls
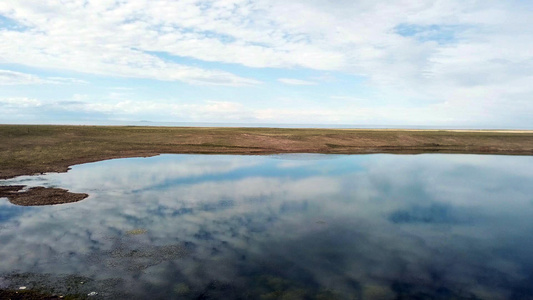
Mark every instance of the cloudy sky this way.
pixel 449 63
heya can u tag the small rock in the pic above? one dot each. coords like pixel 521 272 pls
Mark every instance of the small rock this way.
pixel 22 288
pixel 92 294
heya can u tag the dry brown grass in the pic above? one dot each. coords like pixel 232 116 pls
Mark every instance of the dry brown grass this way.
pixel 29 149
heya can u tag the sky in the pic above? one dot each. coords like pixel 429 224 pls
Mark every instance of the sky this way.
pixel 449 63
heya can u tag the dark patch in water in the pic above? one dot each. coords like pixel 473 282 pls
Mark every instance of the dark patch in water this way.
pixel 434 213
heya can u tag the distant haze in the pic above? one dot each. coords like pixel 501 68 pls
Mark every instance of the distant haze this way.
pixel 298 63
pixel 262 125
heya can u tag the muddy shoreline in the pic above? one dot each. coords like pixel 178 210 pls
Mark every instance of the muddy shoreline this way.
pixel 36 149
pixel 38 196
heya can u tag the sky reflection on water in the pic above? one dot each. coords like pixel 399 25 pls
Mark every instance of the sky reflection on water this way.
pixel 295 226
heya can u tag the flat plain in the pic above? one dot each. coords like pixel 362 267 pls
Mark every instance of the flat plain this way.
pixel 32 149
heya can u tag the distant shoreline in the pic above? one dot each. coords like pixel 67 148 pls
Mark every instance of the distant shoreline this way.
pixel 32 149
pixel 270 125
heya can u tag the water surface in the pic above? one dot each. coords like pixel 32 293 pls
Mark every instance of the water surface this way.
pixel 279 227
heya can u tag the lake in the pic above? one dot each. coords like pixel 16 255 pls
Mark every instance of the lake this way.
pixel 295 226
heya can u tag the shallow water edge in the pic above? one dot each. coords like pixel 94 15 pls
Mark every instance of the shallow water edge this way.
pixel 32 149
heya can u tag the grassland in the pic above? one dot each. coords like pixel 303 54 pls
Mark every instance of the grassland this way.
pixel 30 149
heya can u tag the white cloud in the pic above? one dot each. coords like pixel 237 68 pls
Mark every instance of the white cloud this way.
pixel 20 102
pixel 19 109
pixel 17 78
pixel 464 53
pixel 292 81
pixel 456 113
pixel 100 38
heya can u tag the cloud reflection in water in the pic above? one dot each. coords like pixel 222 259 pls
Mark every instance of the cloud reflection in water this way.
pixel 229 226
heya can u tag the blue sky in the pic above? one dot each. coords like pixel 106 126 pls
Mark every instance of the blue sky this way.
pixel 401 63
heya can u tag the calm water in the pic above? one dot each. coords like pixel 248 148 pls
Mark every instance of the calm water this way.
pixel 279 227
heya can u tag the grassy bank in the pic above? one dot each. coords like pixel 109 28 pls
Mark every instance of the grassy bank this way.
pixel 29 149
